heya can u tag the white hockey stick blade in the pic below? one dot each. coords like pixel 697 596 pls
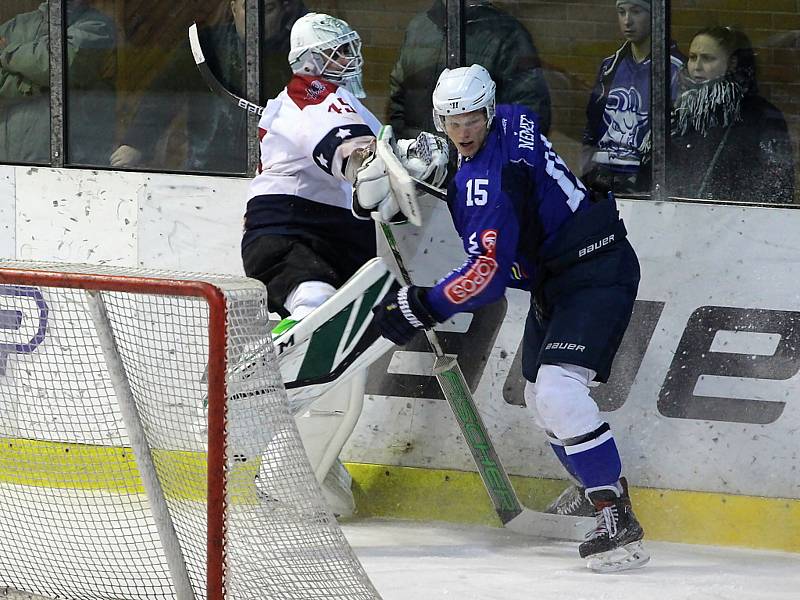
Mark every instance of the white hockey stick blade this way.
pixel 402 184
pixel 337 339
pixel 194 42
pixel 561 527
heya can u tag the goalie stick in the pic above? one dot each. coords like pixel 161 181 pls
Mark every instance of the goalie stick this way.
pixel 509 509
pixel 216 86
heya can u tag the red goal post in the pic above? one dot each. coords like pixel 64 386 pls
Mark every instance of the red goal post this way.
pixel 180 369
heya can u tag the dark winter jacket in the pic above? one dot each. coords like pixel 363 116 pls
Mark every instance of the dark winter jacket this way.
pixel 494 40
pixel 749 160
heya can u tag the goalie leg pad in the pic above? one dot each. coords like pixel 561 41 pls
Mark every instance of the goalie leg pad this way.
pixel 330 420
pixel 336 340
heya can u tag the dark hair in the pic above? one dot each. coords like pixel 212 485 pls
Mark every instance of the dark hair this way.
pixel 738 46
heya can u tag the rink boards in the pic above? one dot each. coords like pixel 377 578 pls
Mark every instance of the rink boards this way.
pixel 703 399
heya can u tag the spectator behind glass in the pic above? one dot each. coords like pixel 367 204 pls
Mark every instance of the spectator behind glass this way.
pixel 215 129
pixel 25 85
pixel 617 132
pixel 494 39
pixel 728 142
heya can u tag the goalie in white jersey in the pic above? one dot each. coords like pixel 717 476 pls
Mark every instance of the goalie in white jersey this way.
pixel 301 238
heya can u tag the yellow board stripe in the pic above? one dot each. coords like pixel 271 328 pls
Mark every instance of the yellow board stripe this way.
pixel 409 493
pixel 666 515
pixel 61 465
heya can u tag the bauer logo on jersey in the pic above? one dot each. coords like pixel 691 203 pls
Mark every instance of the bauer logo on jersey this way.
pixel 565 346
pixel 596 246
pixel 478 275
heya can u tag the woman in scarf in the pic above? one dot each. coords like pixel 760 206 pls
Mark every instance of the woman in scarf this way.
pixel 728 142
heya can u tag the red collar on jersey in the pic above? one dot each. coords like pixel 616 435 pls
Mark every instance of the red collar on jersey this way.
pixel 305 90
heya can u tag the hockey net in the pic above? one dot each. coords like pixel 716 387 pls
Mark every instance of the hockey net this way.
pixel 146 447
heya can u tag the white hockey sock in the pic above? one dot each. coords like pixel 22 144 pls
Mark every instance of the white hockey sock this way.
pixel 306 297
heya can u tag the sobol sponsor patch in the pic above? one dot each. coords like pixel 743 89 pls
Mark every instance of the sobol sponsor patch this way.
pixel 478 276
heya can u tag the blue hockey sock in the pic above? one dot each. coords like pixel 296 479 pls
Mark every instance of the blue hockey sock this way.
pixel 558 448
pixel 594 458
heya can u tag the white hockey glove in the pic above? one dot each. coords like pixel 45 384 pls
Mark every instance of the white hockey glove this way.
pixel 425 158
pixel 372 193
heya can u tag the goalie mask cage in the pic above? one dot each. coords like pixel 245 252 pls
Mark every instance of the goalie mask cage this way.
pixel 146 446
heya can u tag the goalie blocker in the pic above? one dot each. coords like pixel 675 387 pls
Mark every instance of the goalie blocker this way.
pixel 385 180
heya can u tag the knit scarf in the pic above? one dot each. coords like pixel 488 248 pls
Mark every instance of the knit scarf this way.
pixel 703 106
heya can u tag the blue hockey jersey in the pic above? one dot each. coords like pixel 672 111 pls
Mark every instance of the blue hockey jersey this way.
pixel 507 203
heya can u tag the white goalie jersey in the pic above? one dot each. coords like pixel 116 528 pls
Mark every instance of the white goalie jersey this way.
pixel 306 133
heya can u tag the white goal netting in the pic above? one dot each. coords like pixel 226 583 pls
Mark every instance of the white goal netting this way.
pixel 168 474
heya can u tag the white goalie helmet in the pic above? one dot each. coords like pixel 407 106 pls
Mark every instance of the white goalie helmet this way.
pixel 463 90
pixel 326 46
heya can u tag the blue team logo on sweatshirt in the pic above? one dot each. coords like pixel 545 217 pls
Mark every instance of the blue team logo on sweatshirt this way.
pixel 627 123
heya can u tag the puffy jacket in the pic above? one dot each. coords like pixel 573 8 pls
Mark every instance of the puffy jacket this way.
pixel 494 39
pixel 25 83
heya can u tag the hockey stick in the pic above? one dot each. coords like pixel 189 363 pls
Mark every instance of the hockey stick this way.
pixel 219 89
pixel 211 80
pixel 509 509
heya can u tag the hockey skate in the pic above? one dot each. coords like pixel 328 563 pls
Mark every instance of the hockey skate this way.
pixel 615 544
pixel 571 502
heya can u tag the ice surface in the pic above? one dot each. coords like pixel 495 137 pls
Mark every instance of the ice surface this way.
pixel 425 561
pixel 435 561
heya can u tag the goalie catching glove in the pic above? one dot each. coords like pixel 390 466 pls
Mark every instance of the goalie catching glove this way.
pixel 402 313
pixel 425 158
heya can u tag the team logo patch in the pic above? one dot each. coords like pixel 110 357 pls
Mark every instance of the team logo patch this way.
pixel 315 90
pixel 479 274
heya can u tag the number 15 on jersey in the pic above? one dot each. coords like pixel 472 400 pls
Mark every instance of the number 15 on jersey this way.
pixel 477 195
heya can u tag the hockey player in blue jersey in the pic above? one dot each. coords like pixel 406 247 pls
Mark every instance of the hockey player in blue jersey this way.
pixel 527 222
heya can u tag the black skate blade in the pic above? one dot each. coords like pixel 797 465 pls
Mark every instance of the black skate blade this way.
pixel 624 558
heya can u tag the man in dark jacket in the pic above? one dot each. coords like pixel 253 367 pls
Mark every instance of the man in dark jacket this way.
pixel 494 39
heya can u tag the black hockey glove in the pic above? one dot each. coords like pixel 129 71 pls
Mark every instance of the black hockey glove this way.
pixel 402 313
